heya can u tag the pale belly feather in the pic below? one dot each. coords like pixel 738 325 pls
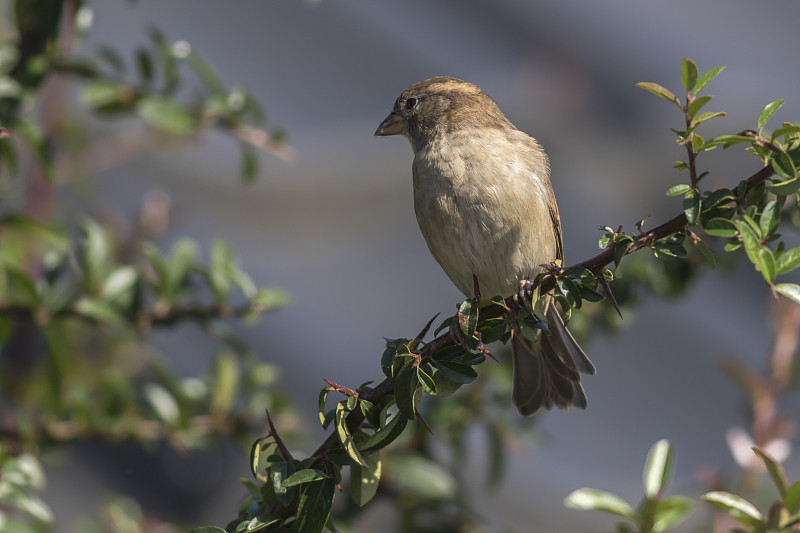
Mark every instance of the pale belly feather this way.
pixel 482 213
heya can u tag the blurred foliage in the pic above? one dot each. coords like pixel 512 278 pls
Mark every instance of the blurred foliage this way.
pixel 79 299
pixel 78 302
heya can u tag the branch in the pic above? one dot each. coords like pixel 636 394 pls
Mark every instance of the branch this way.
pixel 675 225
pixel 595 265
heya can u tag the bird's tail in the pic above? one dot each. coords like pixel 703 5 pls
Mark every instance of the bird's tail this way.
pixel 547 372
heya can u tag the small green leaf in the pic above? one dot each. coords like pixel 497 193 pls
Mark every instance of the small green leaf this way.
pixel 599 500
pixel 660 91
pixel 458 372
pixel 790 290
pixel 163 403
pixel 323 395
pixel 226 376
pixel 768 111
pixel 775 470
pixel 669 511
pixel 692 204
pixel 783 165
pixel 344 434
pixel 688 74
pixel 702 117
pixel 468 318
pixel 705 78
pixel 405 388
pixel 785 188
pixel 697 104
pixel 426 381
pixel 421 476
pixel 315 506
pixel 788 260
pixel 364 480
pixel 658 468
pixel 304 476
pixel 384 435
pixel 770 218
pixel 792 498
pixel 681 188
pixel 168 115
pixel 621 248
pixel 255 456
pixel 739 508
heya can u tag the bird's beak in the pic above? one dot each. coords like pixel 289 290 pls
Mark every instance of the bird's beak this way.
pixel 394 124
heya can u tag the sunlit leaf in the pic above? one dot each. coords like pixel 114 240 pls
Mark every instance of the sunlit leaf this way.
pixel 658 468
pixel 768 111
pixel 599 500
pixel 660 91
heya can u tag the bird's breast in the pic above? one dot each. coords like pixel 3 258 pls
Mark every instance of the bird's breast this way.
pixel 481 203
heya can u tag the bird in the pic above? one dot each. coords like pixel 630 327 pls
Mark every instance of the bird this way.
pixel 487 211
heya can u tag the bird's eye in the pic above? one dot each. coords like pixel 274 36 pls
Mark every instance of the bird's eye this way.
pixel 411 103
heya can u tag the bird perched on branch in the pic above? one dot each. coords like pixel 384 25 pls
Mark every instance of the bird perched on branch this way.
pixel 484 203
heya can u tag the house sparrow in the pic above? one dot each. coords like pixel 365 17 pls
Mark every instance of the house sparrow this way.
pixel 484 203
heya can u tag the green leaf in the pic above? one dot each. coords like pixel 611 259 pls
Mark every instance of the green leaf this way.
pixel 658 468
pixel 405 388
pixel 100 310
pixel 315 506
pixel 226 377
pixel 770 218
pixel 468 318
pixel 660 91
pixel 788 260
pixel 786 187
pixel 255 456
pixel 727 140
pixel 344 434
pixel 792 498
pixel 739 508
pixel 621 248
pixel 787 131
pixel 702 117
pixel 426 381
pixel 306 475
pixel 705 78
pixel 384 435
pixel 103 95
pixel 688 74
pixel 768 111
pixel 790 290
pixel 691 206
pixel 783 165
pixel 458 372
pixel 323 395
pixel 775 471
pixel 669 511
pixel 163 403
pixel 168 115
pixel 697 104
pixel 707 252
pixel 681 188
pixel 421 476
pixel 364 480
pixel 599 500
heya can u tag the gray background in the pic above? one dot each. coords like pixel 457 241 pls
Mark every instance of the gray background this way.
pixel 336 228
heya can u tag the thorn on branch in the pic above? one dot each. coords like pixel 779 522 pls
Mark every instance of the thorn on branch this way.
pixel 278 441
pixel 421 334
pixel 607 287
pixel 340 388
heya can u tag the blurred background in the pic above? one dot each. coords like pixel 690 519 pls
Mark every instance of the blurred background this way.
pixel 335 227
